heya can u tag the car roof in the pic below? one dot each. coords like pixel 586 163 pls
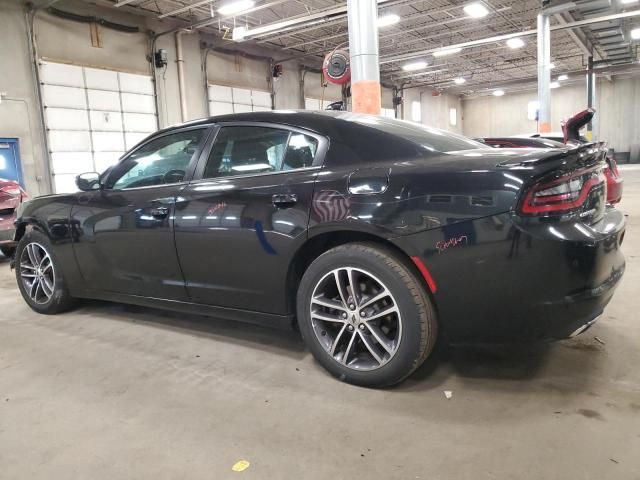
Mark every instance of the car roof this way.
pixel 318 121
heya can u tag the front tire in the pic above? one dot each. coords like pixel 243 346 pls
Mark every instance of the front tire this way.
pixel 365 315
pixel 39 275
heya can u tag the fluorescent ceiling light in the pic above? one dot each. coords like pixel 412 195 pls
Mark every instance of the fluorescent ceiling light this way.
pixel 389 19
pixel 238 34
pixel 627 2
pixel 635 33
pixel 554 84
pixel 236 7
pixel 412 67
pixel 516 42
pixel 459 80
pixel 562 78
pixel 498 93
pixel 476 10
pixel 447 51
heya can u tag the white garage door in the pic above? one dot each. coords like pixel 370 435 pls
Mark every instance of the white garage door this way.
pixel 318 104
pixel 223 100
pixel 93 116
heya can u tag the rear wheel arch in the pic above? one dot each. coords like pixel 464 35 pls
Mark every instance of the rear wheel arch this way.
pixel 317 245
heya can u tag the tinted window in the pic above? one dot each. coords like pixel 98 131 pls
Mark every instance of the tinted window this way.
pixel 300 152
pixel 239 150
pixel 430 138
pixel 161 161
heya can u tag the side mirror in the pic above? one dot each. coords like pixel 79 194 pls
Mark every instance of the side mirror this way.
pixel 88 182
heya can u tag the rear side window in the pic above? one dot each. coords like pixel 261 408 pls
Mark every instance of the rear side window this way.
pixel 246 150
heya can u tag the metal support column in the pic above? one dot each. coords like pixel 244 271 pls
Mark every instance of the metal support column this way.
pixel 591 96
pixel 363 50
pixel 544 72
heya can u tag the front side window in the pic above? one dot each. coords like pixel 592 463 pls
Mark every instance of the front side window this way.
pixel 242 150
pixel 163 160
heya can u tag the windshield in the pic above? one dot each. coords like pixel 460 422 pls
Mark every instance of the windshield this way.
pixel 432 139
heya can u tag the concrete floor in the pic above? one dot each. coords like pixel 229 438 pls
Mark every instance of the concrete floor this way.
pixel 120 392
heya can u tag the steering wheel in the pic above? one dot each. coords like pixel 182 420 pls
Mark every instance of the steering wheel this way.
pixel 173 176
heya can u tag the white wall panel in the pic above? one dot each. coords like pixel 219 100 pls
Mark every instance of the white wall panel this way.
pixel 66 97
pixel 133 83
pixel 136 103
pixel 220 108
pixel 311 104
pixel 261 99
pixel 101 79
pixel 220 93
pixel 257 108
pixel 240 108
pixel 139 122
pixel 69 141
pixel 241 95
pixel 71 162
pixel 106 121
pixel 132 139
pixel 101 100
pixel 66 119
pixel 104 160
pixel 65 183
pixel 61 74
pixel 107 141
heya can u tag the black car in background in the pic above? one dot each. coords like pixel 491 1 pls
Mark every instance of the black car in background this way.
pixel 370 235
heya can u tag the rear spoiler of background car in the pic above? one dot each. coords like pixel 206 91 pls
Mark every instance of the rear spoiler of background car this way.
pixel 571 127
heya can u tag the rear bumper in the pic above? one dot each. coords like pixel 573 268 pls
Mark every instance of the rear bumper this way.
pixel 7 228
pixel 7 236
pixel 504 282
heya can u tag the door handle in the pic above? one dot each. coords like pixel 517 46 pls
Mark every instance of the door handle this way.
pixel 159 212
pixel 284 200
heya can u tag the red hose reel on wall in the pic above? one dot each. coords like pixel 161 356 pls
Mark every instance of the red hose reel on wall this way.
pixel 336 68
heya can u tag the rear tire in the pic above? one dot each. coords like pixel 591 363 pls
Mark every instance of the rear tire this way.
pixel 39 275
pixel 7 251
pixel 375 335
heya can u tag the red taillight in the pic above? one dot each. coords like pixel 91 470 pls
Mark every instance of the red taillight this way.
pixel 563 194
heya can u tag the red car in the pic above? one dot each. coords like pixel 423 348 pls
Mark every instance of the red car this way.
pixel 11 196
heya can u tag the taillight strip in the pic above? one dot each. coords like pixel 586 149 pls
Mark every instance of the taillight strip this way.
pixel 529 205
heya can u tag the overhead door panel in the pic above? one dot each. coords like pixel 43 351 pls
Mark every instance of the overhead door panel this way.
pixel 66 119
pixel 67 97
pixel 134 102
pixel 106 121
pixel 93 116
pixel 61 74
pixel 101 79
pixel 224 100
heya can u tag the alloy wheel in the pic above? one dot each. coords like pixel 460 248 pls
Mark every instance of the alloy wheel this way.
pixel 37 273
pixel 356 318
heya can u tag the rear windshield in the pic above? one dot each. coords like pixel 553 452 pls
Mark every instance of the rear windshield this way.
pixel 430 138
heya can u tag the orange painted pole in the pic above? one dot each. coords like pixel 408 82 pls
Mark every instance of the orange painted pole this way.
pixel 363 50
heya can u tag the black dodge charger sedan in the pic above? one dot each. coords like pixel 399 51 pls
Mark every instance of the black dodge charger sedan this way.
pixel 369 235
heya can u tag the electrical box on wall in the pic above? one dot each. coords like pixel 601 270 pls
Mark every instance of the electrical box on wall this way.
pixel 160 58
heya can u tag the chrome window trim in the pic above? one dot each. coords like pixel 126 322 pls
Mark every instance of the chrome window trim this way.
pixel 198 181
